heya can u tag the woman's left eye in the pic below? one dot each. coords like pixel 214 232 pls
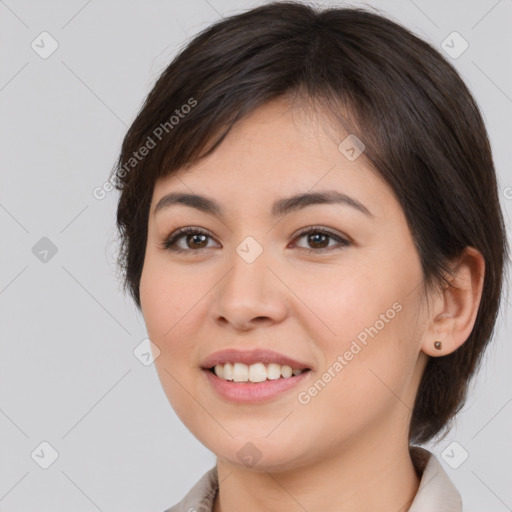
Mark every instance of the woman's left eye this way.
pixel 196 239
pixel 319 236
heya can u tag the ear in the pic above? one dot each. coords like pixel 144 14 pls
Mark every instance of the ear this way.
pixel 455 308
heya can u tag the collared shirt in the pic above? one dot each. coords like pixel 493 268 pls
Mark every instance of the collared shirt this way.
pixel 436 492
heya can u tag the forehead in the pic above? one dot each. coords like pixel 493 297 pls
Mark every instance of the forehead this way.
pixel 280 149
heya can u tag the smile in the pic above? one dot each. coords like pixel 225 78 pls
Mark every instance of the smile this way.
pixel 258 372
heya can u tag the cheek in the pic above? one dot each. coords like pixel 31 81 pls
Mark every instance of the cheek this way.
pixel 344 300
pixel 369 341
pixel 166 296
pixel 166 301
pixel 172 303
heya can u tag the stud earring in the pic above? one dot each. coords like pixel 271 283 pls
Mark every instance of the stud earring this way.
pixel 438 345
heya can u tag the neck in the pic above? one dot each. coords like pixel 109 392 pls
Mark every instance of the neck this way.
pixel 372 476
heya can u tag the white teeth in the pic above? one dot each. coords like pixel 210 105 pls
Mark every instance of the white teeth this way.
pixel 240 372
pixel 227 372
pixel 286 371
pixel 258 372
pixel 219 370
pixel 273 371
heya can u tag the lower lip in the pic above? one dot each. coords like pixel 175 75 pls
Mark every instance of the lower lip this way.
pixel 250 392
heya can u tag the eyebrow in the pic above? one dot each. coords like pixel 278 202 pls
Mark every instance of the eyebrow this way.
pixel 281 207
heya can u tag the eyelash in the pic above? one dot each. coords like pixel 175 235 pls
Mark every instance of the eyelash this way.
pixel 171 240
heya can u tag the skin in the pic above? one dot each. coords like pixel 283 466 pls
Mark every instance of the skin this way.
pixel 347 449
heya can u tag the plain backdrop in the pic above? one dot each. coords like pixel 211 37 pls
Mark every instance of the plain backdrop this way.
pixel 74 396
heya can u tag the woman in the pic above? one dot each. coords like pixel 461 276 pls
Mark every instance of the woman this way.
pixel 311 228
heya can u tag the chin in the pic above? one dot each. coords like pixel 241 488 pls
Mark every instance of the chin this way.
pixel 260 455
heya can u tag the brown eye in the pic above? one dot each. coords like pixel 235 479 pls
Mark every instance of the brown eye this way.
pixel 318 239
pixel 194 240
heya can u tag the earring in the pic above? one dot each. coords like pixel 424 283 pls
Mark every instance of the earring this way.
pixel 438 345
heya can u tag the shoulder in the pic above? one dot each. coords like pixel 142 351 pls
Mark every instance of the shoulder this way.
pixel 436 491
pixel 201 497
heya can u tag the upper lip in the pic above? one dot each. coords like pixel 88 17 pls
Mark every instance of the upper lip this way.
pixel 233 355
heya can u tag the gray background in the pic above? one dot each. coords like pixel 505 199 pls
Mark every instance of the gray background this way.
pixel 68 373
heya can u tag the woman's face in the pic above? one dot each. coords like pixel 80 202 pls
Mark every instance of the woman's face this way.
pixel 351 312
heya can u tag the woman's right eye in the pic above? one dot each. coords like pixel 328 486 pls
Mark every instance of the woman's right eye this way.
pixel 193 236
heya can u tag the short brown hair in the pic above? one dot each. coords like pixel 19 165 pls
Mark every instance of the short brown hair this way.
pixel 422 130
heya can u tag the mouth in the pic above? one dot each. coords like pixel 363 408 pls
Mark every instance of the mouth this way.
pixel 245 391
pixel 253 376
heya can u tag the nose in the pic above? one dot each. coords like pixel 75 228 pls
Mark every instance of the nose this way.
pixel 250 294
